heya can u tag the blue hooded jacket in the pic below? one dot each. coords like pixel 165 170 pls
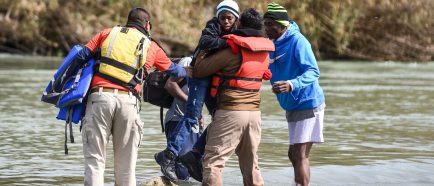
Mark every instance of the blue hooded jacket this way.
pixel 294 60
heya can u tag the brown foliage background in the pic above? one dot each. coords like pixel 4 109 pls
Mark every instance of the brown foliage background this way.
pixel 399 30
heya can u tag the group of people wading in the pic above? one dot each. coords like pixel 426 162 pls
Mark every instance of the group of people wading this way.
pixel 225 73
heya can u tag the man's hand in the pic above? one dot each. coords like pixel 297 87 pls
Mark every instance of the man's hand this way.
pixel 267 75
pixel 281 87
pixel 201 122
pixel 189 71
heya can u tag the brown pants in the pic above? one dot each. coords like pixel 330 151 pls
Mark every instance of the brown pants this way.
pixel 116 115
pixel 229 132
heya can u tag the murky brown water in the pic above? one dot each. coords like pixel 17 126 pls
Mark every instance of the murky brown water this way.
pixel 379 130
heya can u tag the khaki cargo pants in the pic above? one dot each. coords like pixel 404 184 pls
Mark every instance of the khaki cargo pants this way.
pixel 116 114
pixel 229 132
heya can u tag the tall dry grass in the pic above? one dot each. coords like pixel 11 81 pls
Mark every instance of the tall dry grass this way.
pixel 400 30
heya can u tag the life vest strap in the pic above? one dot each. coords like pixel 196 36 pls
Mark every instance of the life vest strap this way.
pixel 241 78
pixel 118 64
pixel 112 40
pixel 53 93
pixel 238 88
pixel 130 86
pixel 139 51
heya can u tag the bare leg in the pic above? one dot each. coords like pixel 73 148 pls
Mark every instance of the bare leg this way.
pixel 290 156
pixel 290 152
pixel 307 156
pixel 299 156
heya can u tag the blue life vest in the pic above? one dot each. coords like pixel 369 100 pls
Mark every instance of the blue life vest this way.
pixel 68 88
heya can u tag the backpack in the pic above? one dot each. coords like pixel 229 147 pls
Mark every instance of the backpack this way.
pixel 153 88
pixel 154 91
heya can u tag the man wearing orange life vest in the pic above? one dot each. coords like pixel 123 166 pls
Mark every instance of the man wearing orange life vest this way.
pixel 236 125
pixel 113 104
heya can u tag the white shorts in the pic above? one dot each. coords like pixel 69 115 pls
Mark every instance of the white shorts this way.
pixel 307 130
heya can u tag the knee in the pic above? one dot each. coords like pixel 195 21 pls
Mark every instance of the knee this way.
pixel 298 157
pixel 290 154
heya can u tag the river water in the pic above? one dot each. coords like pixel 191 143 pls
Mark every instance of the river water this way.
pixel 379 130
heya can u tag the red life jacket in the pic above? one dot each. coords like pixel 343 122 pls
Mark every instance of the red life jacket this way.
pixel 255 61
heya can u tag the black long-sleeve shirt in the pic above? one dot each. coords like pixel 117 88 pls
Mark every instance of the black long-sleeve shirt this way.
pixel 210 40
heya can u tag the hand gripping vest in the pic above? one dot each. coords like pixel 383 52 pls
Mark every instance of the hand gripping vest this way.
pixel 255 61
pixel 123 55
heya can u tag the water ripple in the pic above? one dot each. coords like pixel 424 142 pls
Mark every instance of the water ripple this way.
pixel 378 127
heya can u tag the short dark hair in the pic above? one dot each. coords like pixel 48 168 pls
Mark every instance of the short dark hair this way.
pixel 138 14
pixel 251 18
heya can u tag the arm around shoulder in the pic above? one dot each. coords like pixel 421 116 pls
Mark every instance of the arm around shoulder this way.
pixel 209 65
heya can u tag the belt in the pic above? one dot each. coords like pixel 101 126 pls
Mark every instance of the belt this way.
pixel 112 90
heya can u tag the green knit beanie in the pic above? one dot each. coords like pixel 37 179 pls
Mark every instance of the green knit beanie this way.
pixel 277 13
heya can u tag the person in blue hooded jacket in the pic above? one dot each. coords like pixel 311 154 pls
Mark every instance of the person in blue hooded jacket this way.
pixel 295 83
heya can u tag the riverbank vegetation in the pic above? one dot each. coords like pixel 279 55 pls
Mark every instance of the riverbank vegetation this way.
pixel 398 30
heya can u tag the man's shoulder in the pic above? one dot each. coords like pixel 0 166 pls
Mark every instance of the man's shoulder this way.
pixel 154 44
pixel 105 31
pixel 155 47
pixel 295 37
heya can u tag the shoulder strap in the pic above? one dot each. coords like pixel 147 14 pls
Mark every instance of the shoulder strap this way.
pixel 161 119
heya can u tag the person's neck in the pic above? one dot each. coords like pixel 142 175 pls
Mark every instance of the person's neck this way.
pixel 139 26
pixel 282 33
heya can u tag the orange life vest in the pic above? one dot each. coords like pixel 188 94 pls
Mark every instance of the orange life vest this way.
pixel 255 61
